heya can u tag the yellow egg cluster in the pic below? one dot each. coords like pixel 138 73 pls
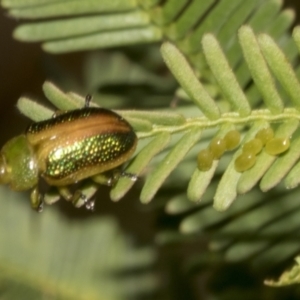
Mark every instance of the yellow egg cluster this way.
pixel 264 138
pixel 216 149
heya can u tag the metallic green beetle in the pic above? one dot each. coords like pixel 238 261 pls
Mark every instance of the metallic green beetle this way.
pixel 66 149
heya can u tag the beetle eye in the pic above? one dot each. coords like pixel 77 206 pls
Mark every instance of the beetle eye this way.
pixel 4 176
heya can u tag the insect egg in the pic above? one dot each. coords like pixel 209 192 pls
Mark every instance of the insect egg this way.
pixel 265 135
pixel 232 139
pixel 245 161
pixel 277 146
pixel 205 159
pixel 253 146
pixel 217 147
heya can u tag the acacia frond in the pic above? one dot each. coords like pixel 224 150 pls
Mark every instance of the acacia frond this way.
pixel 90 24
pixel 262 55
pixel 82 25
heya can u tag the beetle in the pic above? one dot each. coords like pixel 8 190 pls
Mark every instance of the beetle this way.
pixel 66 149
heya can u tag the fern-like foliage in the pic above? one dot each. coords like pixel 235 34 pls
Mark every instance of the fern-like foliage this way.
pixel 91 24
pixel 261 54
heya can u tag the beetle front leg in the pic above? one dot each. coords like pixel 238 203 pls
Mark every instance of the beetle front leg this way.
pixel 78 198
pixel 36 200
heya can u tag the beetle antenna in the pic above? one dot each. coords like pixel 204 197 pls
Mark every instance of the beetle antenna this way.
pixel 88 99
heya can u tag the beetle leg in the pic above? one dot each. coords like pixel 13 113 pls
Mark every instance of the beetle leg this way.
pixel 36 200
pixel 78 198
pixel 51 197
pixel 133 177
pixel 66 193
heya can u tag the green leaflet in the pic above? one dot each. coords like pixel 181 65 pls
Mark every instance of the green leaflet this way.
pixel 60 29
pixel 105 40
pixel 60 99
pixel 281 68
pixel 65 8
pixel 139 163
pixel 33 110
pixel 259 70
pixel 190 16
pixel 164 15
pixel 224 75
pixel 188 80
pixel 158 176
